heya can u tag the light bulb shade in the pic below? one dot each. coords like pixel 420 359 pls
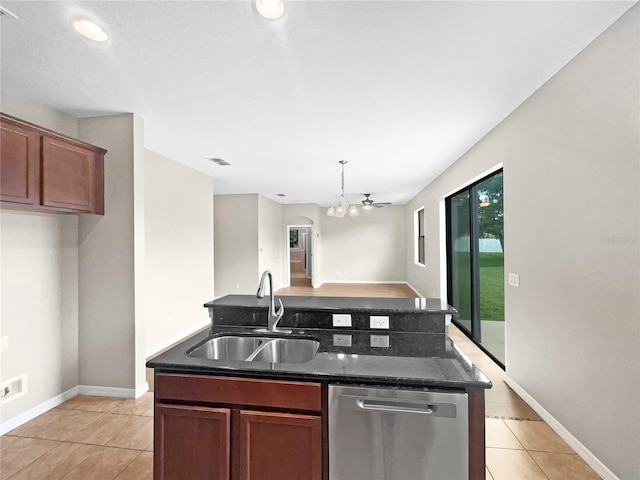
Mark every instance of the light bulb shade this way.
pixel 367 207
pixel 353 211
pixel 90 30
pixel 271 9
pixel 484 200
pixel 340 211
pixel 331 212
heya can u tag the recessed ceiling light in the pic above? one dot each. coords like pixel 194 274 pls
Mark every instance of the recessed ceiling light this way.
pixel 271 9
pixel 90 30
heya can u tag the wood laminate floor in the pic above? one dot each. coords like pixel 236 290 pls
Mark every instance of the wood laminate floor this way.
pixel 101 438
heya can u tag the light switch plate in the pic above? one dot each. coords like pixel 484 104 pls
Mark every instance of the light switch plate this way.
pixel 341 319
pixel 341 340
pixel 379 321
pixel 514 279
pixel 380 341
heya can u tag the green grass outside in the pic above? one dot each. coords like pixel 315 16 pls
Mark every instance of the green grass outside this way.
pixel 491 285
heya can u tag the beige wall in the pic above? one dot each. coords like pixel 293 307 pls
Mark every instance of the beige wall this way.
pixel 178 250
pixel 366 248
pixel 39 287
pixel 271 253
pixel 236 244
pixel 39 114
pixel 572 208
pixel 108 345
pixel 39 295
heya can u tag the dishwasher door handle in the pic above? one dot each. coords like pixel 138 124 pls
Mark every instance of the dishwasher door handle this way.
pixel 394 407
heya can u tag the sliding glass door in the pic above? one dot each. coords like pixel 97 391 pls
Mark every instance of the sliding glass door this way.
pixel 475 262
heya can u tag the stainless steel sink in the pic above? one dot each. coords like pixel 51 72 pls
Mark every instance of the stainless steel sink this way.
pixel 286 350
pixel 257 349
pixel 227 348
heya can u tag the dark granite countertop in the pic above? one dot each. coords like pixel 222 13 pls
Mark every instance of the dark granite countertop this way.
pixel 400 305
pixel 411 359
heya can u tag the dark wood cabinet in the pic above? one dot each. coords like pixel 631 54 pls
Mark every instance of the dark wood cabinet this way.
pixel 279 445
pixel 49 171
pixel 236 428
pixel 19 164
pixel 192 442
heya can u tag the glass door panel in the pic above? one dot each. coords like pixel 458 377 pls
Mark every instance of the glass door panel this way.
pixel 460 260
pixel 491 264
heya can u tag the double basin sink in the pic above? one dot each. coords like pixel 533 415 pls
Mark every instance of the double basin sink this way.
pixel 257 349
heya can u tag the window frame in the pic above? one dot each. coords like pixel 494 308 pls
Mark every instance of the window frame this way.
pixel 419 238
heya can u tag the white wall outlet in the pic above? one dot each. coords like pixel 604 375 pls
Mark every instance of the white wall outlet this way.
pixel 381 341
pixel 341 319
pixel 13 388
pixel 514 279
pixel 4 343
pixel 376 321
pixel 341 340
pixel 237 286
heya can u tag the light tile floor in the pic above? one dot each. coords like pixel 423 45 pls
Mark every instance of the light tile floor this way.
pixel 85 438
pixel 99 438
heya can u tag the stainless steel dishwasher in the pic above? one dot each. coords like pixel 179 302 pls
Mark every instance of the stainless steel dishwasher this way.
pixel 397 434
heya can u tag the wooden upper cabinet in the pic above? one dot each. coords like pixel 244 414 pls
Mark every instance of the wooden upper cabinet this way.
pixel 19 164
pixel 55 173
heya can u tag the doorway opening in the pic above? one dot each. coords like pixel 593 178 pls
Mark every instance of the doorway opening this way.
pixel 475 262
pixel 300 250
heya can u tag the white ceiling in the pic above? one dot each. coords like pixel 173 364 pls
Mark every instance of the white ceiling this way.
pixel 399 89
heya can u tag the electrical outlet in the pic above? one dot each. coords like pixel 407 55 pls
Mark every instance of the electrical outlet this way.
pixel 4 343
pixel 379 321
pixel 381 341
pixel 341 319
pixel 237 286
pixel 514 279
pixel 13 388
pixel 341 340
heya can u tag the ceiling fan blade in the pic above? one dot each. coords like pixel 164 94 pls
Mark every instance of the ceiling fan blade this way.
pixel 381 204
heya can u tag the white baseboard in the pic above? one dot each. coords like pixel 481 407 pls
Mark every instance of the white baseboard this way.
pixel 591 460
pixel 32 413
pixel 372 282
pixel 99 391
pixel 150 352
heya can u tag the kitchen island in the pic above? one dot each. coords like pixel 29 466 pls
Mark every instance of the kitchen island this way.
pixel 271 419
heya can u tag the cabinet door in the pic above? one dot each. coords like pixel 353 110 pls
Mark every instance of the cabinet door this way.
pixel 68 175
pixel 191 443
pixel 19 164
pixel 279 446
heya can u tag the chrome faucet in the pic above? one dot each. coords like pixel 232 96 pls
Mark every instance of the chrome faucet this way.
pixel 274 315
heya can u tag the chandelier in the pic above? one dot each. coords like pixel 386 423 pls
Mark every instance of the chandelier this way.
pixel 343 208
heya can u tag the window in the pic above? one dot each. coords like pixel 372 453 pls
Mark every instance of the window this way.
pixel 419 236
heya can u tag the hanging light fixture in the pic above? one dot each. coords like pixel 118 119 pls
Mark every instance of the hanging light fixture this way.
pixel 484 200
pixel 343 208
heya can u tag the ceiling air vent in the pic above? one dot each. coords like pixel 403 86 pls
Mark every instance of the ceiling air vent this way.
pixel 219 161
pixel 7 14
pixel 281 194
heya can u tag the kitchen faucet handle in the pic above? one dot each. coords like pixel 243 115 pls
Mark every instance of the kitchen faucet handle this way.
pixel 280 312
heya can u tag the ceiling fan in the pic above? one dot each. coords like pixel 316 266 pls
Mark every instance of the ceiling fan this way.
pixel 368 204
